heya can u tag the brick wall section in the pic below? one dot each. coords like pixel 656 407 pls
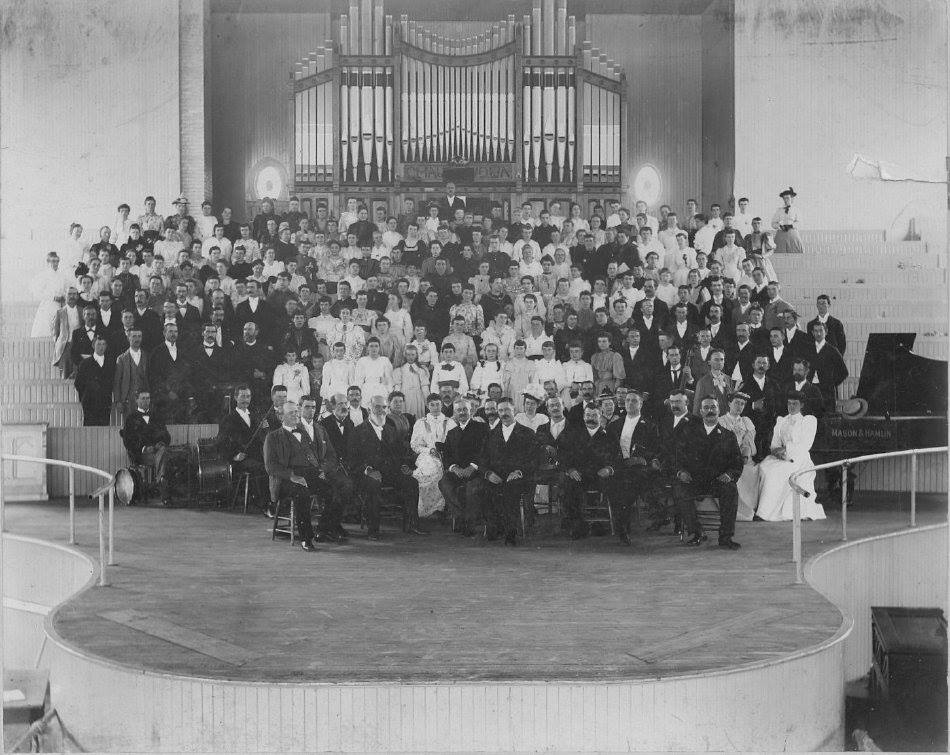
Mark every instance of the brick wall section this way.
pixel 194 23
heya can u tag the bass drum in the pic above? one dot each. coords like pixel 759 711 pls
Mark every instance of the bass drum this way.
pixel 214 474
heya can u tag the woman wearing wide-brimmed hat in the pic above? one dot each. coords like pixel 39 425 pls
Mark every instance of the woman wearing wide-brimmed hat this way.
pixel 786 222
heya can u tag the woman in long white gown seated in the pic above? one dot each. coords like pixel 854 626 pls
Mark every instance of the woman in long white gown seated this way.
pixel 791 446
pixel 427 434
pixel 748 482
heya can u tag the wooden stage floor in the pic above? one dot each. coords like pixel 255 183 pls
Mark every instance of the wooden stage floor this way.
pixel 207 594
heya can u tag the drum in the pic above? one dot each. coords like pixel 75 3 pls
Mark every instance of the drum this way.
pixel 214 473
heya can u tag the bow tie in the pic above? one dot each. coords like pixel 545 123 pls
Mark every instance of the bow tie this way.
pixel 295 431
pixel 446 366
pixel 144 414
pixel 90 330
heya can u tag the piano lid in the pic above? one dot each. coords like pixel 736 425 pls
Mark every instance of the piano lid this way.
pixel 896 382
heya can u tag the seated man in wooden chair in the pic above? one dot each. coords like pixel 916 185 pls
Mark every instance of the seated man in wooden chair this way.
pixel 146 439
pixel 588 457
pixel 708 463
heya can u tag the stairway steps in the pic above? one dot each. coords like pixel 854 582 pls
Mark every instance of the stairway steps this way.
pixel 38 392
pixel 54 415
pixel 902 280
pixel 28 348
pixel 815 236
pixel 27 370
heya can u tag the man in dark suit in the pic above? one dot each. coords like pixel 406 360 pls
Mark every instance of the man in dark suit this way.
pixel 241 436
pixel 675 375
pixel 293 464
pixel 797 341
pixel 334 485
pixel 587 399
pixel 812 400
pixel 253 362
pixel 449 203
pixel 188 316
pixel 673 422
pixel 147 319
pixel 661 309
pixel 639 363
pixel 83 338
pixel 378 457
pixel 170 376
pixel 508 461
pixel 827 365
pixel 110 317
pixel 254 309
pixel 720 333
pixel 780 356
pixel 94 378
pixel 637 440
pixel 212 366
pixel 681 330
pixel 146 438
pixel 708 463
pixel 740 357
pixel 461 485
pixel 765 403
pixel 588 458
pixel 339 426
pixel 834 329
pixel 650 324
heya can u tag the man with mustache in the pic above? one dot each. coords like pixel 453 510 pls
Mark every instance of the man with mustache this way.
pixel 708 463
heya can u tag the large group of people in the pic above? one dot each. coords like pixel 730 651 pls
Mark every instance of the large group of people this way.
pixel 460 360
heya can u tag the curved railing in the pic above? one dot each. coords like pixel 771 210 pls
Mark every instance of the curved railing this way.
pixel 845 465
pixel 106 533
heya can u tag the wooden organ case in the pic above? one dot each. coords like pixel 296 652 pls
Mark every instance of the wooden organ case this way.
pixel 522 112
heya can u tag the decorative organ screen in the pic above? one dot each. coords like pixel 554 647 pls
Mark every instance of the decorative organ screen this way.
pixel 521 104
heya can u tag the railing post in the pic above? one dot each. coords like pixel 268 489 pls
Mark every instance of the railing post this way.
pixel 72 506
pixel 797 534
pixel 844 501
pixel 103 580
pixel 111 525
pixel 913 489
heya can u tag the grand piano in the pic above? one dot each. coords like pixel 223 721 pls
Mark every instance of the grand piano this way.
pixel 906 397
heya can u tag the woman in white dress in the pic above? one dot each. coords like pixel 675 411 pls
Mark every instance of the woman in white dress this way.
pixel 786 222
pixel 427 432
pixel 74 250
pixel 49 287
pixel 518 372
pixel 791 445
pixel 489 370
pixel 412 380
pixel 293 375
pixel 399 320
pixel 373 373
pixel 748 482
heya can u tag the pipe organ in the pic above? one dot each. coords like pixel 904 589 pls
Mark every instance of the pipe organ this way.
pixel 524 104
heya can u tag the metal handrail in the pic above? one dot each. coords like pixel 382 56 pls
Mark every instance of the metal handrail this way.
pixel 106 542
pixel 845 465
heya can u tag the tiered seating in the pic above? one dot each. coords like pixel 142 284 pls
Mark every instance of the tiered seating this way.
pixel 875 287
pixel 31 390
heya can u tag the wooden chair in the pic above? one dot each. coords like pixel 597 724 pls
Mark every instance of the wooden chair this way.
pixel 596 507
pixel 390 507
pixel 284 522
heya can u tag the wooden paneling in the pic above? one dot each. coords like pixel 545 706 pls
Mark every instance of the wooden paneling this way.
pixel 101 447
pixel 252 56
pixel 90 118
pixel 799 704
pixel 662 59
pixel 907 569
